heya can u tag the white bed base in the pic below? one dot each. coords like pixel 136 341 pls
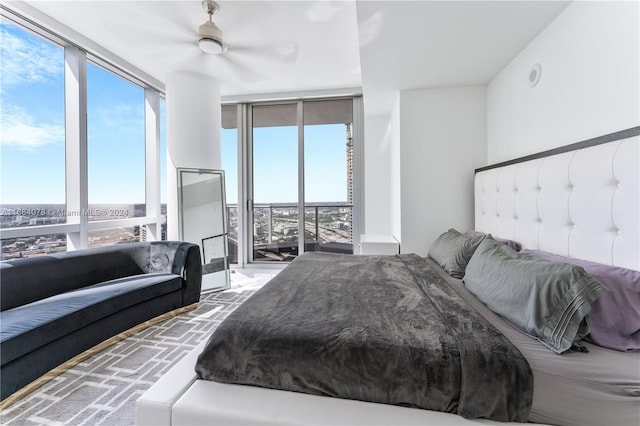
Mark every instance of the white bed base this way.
pixel 583 203
pixel 179 398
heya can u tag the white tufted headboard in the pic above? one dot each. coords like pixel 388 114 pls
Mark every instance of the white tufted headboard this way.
pixel 581 201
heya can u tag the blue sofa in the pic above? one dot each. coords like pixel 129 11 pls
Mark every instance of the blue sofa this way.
pixel 55 307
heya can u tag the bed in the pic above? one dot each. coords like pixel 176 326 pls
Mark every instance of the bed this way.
pixel 580 201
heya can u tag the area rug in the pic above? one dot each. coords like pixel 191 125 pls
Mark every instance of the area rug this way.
pixel 102 389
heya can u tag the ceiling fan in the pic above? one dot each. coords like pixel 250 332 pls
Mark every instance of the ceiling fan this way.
pixel 210 41
pixel 241 56
pixel 209 35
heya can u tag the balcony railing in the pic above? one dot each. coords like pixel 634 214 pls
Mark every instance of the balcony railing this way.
pixel 276 232
pixel 275 237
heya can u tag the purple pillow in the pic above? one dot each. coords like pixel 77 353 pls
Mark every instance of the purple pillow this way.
pixel 615 316
pixel 509 243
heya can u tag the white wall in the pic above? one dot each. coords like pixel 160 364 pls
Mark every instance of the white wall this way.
pixel 442 140
pixel 589 86
pixel 378 176
pixel 193 133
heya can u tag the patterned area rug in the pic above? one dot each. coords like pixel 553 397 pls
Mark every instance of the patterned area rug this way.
pixel 103 389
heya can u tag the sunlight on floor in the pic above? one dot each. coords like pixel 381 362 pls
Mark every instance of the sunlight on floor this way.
pixel 250 279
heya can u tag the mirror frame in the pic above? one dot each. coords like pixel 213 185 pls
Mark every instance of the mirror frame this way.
pixel 181 171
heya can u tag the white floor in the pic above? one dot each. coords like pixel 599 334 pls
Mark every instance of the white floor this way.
pixel 249 278
pixel 244 278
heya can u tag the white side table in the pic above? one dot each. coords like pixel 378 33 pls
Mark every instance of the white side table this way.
pixel 378 244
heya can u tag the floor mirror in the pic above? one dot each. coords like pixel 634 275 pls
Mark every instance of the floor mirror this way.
pixel 202 220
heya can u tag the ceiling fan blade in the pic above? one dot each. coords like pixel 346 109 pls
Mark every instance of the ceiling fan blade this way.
pixel 231 70
pixel 283 52
pixel 178 50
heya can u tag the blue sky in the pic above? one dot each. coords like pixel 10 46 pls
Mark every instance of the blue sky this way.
pixel 116 141
pixel 32 157
pixel 32 119
pixel 275 151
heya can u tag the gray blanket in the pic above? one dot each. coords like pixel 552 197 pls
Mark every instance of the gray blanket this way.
pixel 385 329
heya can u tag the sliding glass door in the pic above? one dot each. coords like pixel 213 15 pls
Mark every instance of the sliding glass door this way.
pixel 328 175
pixel 301 155
pixel 275 182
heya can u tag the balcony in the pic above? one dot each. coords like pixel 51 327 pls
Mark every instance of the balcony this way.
pixel 275 230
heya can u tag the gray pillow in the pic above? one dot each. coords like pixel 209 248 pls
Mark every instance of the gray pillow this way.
pixel 547 300
pixel 452 251
pixel 513 244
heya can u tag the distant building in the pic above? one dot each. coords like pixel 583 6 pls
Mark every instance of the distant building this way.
pixel 350 178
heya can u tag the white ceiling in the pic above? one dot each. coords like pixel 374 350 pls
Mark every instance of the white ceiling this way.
pixel 282 46
pixel 427 44
pixel 274 46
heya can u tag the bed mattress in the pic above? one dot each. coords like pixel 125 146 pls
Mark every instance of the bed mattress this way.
pixel 601 387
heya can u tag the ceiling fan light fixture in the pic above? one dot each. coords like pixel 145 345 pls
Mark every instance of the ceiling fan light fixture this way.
pixel 210 36
pixel 210 45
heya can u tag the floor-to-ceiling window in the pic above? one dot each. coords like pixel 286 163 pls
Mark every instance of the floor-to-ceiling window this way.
pixel 274 152
pixel 301 154
pixel 32 141
pixel 328 175
pixel 78 149
pixel 115 154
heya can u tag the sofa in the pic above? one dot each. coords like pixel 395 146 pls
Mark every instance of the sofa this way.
pixel 57 306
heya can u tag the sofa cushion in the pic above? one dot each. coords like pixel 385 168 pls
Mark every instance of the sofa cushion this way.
pixel 30 326
pixel 66 272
